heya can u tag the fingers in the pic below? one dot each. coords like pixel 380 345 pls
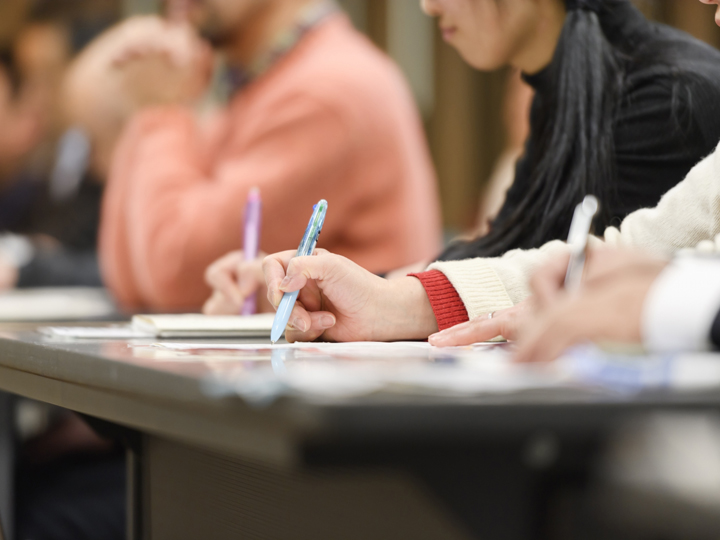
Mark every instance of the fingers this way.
pixel 506 323
pixel 219 304
pixel 563 325
pixel 274 267
pixel 546 343
pixel 320 267
pixel 222 277
pixel 549 280
pixel 467 333
pixel 308 326
pixel 175 42
pixel 250 276
pixel 284 272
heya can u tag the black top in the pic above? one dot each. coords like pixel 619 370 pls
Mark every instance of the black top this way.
pixel 74 225
pixel 668 118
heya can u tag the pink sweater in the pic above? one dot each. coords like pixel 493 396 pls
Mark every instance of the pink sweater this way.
pixel 333 119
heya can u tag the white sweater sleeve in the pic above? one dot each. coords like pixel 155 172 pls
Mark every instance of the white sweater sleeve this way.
pixel 687 215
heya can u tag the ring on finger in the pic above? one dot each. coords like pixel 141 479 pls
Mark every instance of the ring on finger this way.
pixel 491 314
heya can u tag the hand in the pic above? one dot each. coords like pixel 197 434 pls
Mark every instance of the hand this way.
pixel 608 307
pixel 341 301
pixel 162 63
pixel 233 280
pixel 506 323
pixel 108 81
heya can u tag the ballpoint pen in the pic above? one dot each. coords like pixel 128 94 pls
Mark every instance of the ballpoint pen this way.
pixel 578 240
pixel 253 211
pixel 307 246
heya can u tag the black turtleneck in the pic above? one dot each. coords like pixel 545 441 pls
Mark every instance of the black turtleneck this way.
pixel 667 120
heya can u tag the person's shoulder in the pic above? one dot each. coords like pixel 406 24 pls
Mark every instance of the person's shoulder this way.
pixel 339 64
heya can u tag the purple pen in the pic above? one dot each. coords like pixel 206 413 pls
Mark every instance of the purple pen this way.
pixel 253 211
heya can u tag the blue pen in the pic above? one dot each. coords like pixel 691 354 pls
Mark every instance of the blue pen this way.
pixel 307 246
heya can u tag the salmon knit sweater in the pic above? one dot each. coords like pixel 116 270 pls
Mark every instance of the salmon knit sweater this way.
pixel 333 119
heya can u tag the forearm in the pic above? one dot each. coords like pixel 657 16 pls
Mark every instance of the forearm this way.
pixel 486 285
pixel 154 210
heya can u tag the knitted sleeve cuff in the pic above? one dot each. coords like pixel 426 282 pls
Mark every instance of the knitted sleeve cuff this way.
pixel 446 304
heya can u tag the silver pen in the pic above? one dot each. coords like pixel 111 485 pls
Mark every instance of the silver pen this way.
pixel 578 241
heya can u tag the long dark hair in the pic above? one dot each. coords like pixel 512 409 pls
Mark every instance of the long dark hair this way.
pixel 575 155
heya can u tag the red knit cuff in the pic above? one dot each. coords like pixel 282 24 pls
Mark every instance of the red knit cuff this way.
pixel 445 301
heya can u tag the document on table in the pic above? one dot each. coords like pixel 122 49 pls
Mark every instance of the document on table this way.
pixel 95 332
pixel 55 304
pixel 361 346
pixel 171 326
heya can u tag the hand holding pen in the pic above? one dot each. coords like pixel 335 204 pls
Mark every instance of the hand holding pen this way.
pixel 306 248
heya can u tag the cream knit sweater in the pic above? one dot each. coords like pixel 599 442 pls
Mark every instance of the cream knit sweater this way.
pixel 688 216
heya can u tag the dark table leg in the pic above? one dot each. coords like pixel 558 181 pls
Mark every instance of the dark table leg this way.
pixel 7 459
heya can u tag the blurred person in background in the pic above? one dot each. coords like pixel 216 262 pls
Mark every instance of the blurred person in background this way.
pixel 49 216
pixel 69 481
pixel 316 111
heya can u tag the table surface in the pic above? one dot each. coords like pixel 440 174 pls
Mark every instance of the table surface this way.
pixel 152 391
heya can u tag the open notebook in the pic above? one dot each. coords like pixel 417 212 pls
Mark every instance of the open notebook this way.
pixel 172 326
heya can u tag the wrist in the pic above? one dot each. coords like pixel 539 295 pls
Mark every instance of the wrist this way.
pixel 406 311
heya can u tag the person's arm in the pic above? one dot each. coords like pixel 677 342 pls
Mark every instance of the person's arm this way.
pixel 168 214
pixel 687 216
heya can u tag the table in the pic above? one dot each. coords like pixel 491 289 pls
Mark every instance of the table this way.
pixel 377 466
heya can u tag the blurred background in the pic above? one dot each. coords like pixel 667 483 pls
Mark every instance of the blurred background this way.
pixel 475 121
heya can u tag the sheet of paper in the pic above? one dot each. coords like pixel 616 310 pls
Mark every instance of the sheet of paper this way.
pixel 355 346
pixel 55 304
pixel 94 332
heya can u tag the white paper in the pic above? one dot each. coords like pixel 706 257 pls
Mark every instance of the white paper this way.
pixel 94 332
pixel 353 346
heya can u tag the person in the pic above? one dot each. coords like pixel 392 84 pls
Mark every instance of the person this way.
pixel 516 112
pixel 316 112
pixel 617 111
pixel 49 231
pixel 623 109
